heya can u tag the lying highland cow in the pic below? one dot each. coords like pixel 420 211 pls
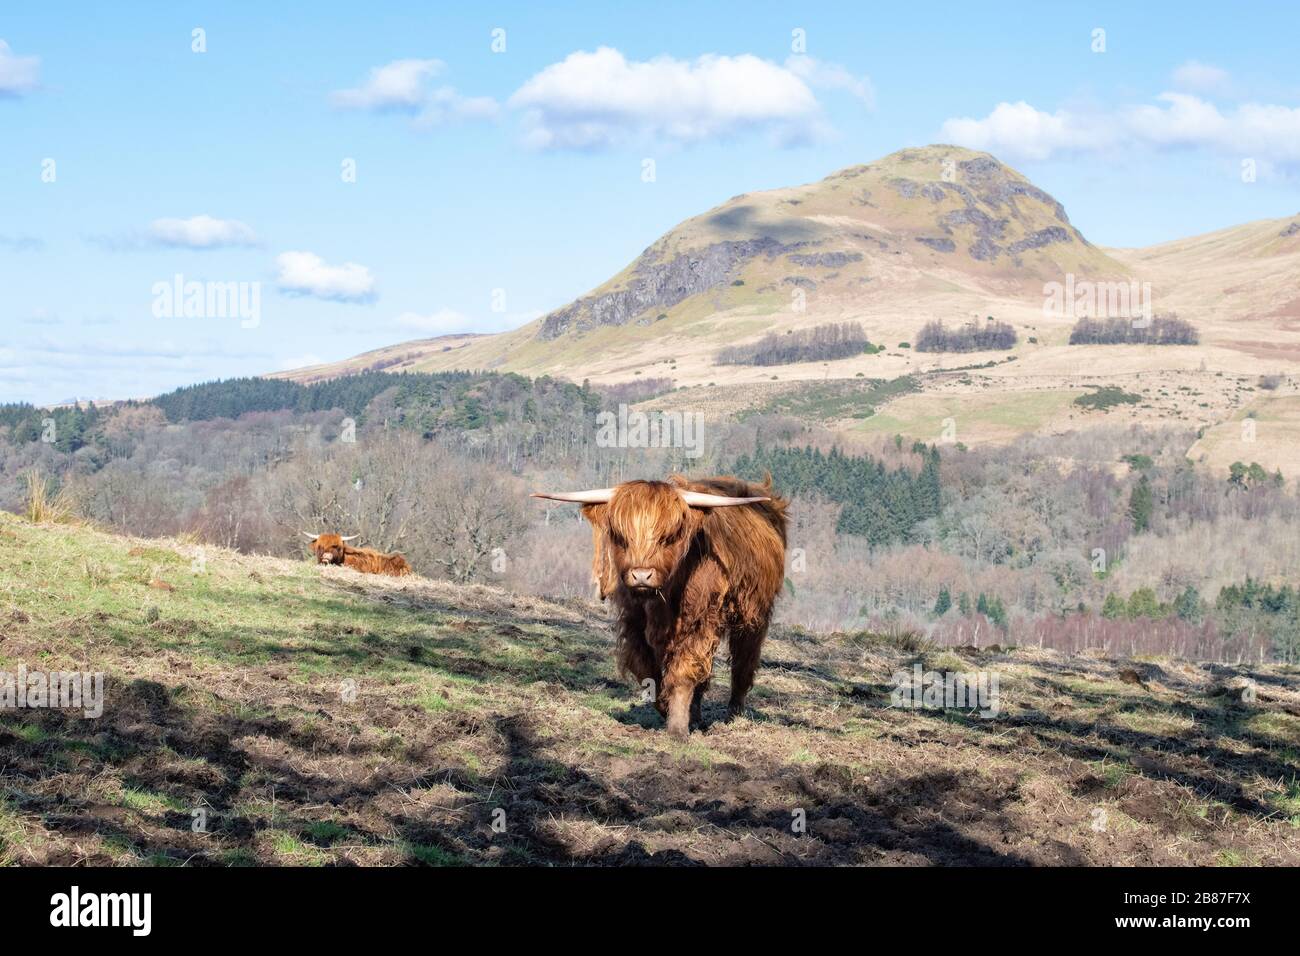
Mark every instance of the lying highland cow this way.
pixel 686 562
pixel 333 549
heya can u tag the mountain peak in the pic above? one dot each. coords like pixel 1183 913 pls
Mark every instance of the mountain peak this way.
pixel 936 210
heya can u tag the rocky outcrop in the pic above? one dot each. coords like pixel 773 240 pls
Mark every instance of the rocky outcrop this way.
pixel 985 226
pixel 910 189
pixel 989 197
pixel 825 260
pixel 1043 237
pixel 988 179
pixel 660 285
pixel 1290 230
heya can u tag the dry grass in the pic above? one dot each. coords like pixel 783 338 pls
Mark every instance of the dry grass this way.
pixel 322 717
pixel 40 506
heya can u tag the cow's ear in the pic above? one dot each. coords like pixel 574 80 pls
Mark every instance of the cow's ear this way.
pixel 598 515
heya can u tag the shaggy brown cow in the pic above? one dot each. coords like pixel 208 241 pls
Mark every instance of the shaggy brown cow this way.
pixel 333 549
pixel 685 563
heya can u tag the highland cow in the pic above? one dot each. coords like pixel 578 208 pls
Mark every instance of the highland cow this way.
pixel 334 549
pixel 686 563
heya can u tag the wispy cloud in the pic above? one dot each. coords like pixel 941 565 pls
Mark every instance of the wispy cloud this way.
pixel 300 361
pixel 201 232
pixel 21 243
pixel 439 322
pixel 42 317
pixel 1175 120
pixel 197 232
pixel 19 75
pixel 51 367
pixel 399 85
pixel 1196 77
pixel 305 273
pixel 403 86
pixel 601 99
pixel 831 76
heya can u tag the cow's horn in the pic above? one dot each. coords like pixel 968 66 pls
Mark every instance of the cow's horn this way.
pixel 308 534
pixel 349 537
pixel 697 499
pixel 593 496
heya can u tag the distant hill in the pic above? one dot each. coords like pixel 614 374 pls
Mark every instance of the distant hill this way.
pixel 938 232
pixel 940 227
pixel 934 233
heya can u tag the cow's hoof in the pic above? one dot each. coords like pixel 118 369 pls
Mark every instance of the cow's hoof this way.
pixel 679 731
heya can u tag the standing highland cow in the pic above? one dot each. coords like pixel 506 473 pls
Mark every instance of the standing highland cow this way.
pixel 686 562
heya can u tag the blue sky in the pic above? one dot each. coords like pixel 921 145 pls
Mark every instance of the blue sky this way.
pixel 491 187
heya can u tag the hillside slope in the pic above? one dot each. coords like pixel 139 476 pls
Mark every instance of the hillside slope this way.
pixel 229 689
pixel 939 231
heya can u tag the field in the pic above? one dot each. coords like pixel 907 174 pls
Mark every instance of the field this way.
pixel 998 416
pixel 1272 438
pixel 319 717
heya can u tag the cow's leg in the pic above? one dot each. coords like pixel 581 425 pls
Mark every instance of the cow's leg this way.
pixel 678 692
pixel 746 646
pixel 697 703
pixel 687 669
pixel 637 659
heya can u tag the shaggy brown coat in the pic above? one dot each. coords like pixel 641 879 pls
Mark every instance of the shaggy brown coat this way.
pixel 713 572
pixel 332 549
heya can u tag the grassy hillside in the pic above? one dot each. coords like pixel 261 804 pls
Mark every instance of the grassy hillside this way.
pixel 227 689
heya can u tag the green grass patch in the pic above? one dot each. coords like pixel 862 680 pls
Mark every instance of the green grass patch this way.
pixel 834 400
pixel 1105 397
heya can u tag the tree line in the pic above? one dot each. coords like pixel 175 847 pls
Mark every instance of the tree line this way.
pixel 880 504
pixel 971 337
pixel 821 343
pixel 1161 330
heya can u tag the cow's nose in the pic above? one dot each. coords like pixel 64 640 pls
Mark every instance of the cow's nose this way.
pixel 640 577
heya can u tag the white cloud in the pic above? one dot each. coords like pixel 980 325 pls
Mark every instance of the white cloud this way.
pixel 305 273
pixel 438 323
pixel 18 74
pixel 1019 131
pixel 402 86
pixel 444 105
pixel 201 232
pixel 395 86
pixel 301 361
pixel 600 99
pixel 1199 77
pixel 832 76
